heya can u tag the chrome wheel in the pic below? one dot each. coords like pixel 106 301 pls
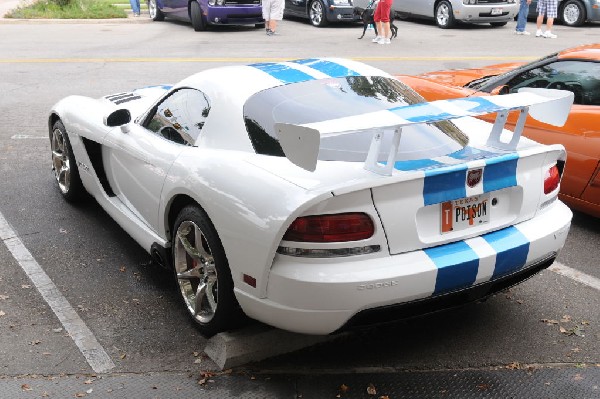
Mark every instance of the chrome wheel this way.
pixel 316 13
pixel 196 272
pixel 152 8
pixel 60 160
pixel 444 16
pixel 572 14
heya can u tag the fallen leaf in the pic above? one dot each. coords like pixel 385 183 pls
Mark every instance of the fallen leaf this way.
pixel 80 394
pixel 122 269
pixel 384 397
pixel 344 388
pixel 563 330
pixel 89 391
pixel 577 377
pixel 63 231
pixel 483 387
pixel 25 387
pixel 46 353
pixel 3 297
pixel 198 361
pixel 25 286
pixel 45 394
pixel 35 342
pixel 123 356
pixel 565 319
pixel 514 366
pixel 585 322
pixel 371 389
pixel 520 301
pixel 88 382
pixel 57 330
pixel 2 313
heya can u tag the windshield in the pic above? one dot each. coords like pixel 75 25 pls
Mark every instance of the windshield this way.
pixel 326 99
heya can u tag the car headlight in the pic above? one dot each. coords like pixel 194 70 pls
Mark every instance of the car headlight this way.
pixel 341 2
pixel 211 2
pixel 469 1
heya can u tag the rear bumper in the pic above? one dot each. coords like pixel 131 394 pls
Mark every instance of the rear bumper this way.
pixel 321 296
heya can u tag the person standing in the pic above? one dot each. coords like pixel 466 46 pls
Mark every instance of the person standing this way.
pixel 522 18
pixel 382 19
pixel 135 7
pixel 550 9
pixel 272 11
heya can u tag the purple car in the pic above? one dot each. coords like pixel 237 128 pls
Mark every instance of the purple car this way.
pixel 208 12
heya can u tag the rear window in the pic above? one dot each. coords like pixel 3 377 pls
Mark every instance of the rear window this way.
pixel 325 99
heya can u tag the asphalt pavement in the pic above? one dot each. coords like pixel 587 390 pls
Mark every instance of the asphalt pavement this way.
pixel 435 357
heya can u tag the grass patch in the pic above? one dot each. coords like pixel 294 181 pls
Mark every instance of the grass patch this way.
pixel 69 9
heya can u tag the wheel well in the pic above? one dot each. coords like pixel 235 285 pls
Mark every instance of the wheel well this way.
pixel 177 204
pixel 51 121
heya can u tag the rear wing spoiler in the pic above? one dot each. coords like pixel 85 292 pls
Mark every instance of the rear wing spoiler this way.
pixel 301 143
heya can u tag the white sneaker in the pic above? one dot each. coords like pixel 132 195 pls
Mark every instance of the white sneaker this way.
pixel 539 33
pixel 376 40
pixel 549 35
pixel 522 32
pixel 384 41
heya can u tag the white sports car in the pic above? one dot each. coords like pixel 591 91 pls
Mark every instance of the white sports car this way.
pixel 318 194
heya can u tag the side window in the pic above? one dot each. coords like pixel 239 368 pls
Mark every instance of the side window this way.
pixel 580 77
pixel 181 116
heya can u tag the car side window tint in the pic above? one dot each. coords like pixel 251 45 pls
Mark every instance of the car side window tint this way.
pixel 580 77
pixel 181 116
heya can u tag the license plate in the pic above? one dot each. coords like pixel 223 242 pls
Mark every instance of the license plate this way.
pixel 496 11
pixel 465 213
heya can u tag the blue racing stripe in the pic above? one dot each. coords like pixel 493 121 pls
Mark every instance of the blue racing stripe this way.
pixel 457 265
pixel 500 172
pixel 415 113
pixel 283 72
pixel 476 104
pixel 472 154
pixel 444 184
pixel 416 164
pixel 328 67
pixel 511 247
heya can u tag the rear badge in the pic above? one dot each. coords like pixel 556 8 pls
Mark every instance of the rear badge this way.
pixel 474 177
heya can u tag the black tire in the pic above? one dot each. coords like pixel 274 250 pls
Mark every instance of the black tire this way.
pixel 198 22
pixel 444 18
pixel 155 13
pixel 64 164
pixel 498 24
pixel 199 262
pixel 572 13
pixel 260 26
pixel 316 14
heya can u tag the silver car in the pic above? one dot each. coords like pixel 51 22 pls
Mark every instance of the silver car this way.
pixel 573 12
pixel 448 12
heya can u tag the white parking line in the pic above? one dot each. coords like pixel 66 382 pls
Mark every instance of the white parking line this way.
pixel 93 352
pixel 576 275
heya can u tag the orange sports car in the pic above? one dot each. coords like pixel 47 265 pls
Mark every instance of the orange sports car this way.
pixel 576 69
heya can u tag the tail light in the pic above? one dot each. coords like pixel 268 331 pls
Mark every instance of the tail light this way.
pixel 339 227
pixel 551 179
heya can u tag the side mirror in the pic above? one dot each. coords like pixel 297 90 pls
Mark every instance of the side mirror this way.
pixel 504 89
pixel 119 117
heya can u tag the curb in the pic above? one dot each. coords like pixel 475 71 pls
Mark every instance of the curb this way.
pixel 128 20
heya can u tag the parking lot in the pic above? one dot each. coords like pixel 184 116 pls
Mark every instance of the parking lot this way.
pixel 62 262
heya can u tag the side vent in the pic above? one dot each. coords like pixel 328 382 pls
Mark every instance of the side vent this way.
pixel 94 151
